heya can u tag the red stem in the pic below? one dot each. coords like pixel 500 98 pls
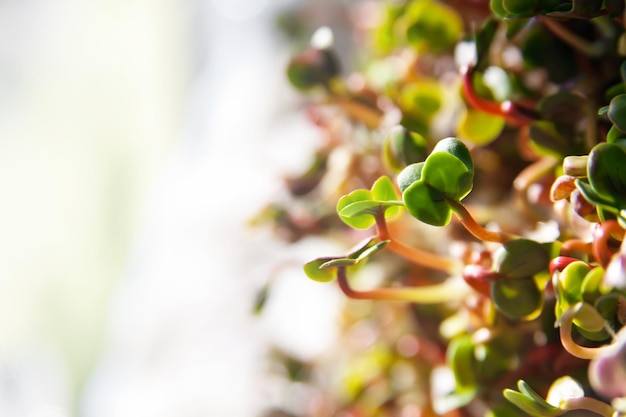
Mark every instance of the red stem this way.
pixel 415 255
pixel 472 225
pixel 602 234
pixel 512 112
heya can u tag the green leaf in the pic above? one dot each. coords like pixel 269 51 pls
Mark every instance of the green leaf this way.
pixel 323 269
pixel 479 127
pixel 433 26
pixel 519 7
pixel 427 204
pixel 531 402
pixel 592 196
pixel 456 148
pixel 617 112
pixel 517 298
pixel 312 270
pixel 461 360
pixel 360 216
pixel 409 175
pixel 403 147
pixel 571 280
pixel 483 39
pixel 521 258
pixel 545 136
pixel 359 208
pixel 448 174
pixel 383 190
pixel 589 319
pixel 606 170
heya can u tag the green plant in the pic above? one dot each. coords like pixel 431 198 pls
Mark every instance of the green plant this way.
pixel 525 279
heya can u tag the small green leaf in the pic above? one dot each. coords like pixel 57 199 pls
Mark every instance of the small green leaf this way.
pixel 517 298
pixel 313 271
pixel 587 318
pixel 447 174
pixel 479 127
pixel 519 7
pixel 606 171
pixel 570 281
pixel 427 204
pixel 617 112
pixel 461 360
pixel 521 258
pixel 358 216
pixel 383 190
pixel 433 26
pixel 359 208
pixel 531 402
pixel 403 147
pixel 456 148
pixel 409 175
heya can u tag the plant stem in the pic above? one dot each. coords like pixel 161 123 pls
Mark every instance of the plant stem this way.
pixel 369 116
pixel 415 255
pixel 534 172
pixel 512 112
pixel 601 235
pixel 565 331
pixel 472 225
pixel 592 49
pixel 450 290
pixel 586 403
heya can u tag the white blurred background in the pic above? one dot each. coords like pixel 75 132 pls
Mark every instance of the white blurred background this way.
pixel 136 139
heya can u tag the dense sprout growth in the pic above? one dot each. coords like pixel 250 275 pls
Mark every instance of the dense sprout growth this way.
pixel 477 150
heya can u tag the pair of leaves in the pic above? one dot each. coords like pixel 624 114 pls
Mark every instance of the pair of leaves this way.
pixel 323 269
pixel 426 186
pixel 577 283
pixel 360 208
pixel 532 403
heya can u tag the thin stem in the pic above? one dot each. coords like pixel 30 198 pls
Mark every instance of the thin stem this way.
pixel 472 225
pixel 415 255
pixel 586 403
pixel 593 49
pixel 601 235
pixel 576 245
pixel 369 116
pixel 512 112
pixel 449 290
pixel 534 172
pixel 568 343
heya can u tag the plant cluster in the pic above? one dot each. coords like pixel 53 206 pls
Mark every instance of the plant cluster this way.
pixel 477 150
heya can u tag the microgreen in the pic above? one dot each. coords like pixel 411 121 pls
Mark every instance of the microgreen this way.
pixel 446 174
pixel 360 208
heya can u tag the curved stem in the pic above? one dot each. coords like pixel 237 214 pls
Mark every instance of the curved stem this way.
pixel 586 403
pixel 534 172
pixel 449 290
pixel 601 235
pixel 512 112
pixel 369 116
pixel 415 255
pixel 568 343
pixel 576 245
pixel 593 49
pixel 472 225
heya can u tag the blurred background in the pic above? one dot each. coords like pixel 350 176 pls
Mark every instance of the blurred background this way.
pixel 137 138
